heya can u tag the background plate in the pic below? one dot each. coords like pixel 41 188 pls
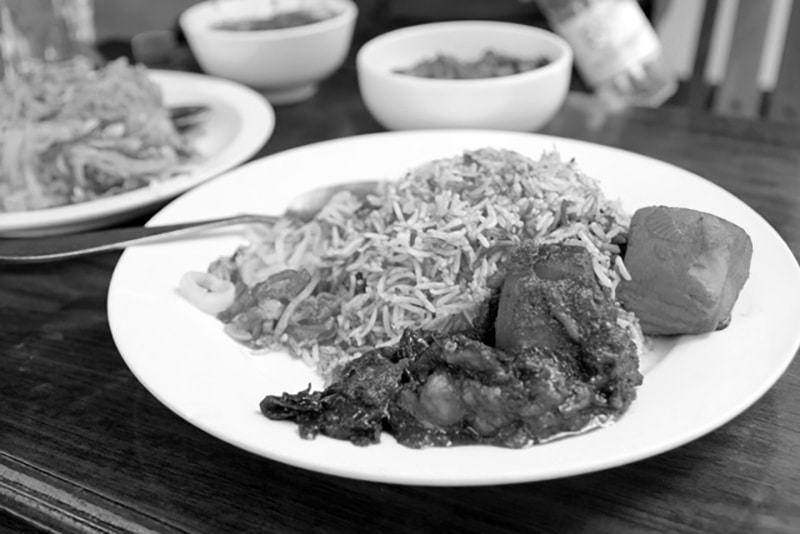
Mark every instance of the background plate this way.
pixel 692 385
pixel 241 121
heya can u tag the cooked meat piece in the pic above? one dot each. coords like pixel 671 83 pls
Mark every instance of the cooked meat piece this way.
pixel 456 387
pixel 539 282
pixel 577 367
pixel 551 299
pixel 463 392
pixel 687 269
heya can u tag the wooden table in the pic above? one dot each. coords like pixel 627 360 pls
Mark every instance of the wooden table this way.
pixel 85 448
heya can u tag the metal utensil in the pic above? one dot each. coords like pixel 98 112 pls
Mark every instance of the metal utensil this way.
pixel 189 116
pixel 55 248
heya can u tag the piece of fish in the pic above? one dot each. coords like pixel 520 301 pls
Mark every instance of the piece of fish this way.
pixel 687 269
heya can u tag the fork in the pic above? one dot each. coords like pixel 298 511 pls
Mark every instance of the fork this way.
pixel 187 117
pixel 55 248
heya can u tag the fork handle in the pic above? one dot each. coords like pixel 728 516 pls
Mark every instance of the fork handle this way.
pixel 55 248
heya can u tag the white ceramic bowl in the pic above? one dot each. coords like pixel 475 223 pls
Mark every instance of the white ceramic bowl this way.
pixel 521 102
pixel 285 64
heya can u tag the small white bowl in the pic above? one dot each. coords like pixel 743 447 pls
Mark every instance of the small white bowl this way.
pixel 520 102
pixel 285 64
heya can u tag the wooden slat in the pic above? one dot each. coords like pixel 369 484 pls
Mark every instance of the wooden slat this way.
pixel 739 94
pixel 785 101
pixel 699 89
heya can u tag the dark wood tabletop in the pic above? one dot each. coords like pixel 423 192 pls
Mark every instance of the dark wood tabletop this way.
pixel 84 447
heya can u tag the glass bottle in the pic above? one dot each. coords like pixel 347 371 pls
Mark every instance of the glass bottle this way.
pixel 617 51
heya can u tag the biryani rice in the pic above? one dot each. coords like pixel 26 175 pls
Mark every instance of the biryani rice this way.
pixel 425 246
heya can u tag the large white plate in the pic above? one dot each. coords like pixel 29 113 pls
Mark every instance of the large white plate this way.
pixel 241 121
pixel 692 385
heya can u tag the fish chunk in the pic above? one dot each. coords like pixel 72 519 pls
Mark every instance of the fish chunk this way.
pixel 687 268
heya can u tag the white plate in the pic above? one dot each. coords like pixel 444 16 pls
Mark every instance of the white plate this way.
pixel 692 385
pixel 241 121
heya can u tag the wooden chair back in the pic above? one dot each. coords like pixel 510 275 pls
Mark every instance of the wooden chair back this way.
pixel 739 94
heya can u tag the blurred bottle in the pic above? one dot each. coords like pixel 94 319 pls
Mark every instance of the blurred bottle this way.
pixel 617 51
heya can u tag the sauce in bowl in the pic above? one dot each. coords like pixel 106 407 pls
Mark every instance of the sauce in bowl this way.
pixel 491 65
pixel 279 21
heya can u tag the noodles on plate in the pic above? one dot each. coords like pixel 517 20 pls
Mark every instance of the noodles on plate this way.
pixel 71 133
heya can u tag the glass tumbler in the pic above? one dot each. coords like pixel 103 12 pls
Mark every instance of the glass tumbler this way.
pixel 35 31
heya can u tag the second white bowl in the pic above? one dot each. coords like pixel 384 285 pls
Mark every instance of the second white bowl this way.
pixel 521 102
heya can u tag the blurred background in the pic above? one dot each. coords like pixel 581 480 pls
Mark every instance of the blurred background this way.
pixel 147 30
pixel 677 23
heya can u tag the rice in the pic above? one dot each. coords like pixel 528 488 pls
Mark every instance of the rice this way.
pixel 420 252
